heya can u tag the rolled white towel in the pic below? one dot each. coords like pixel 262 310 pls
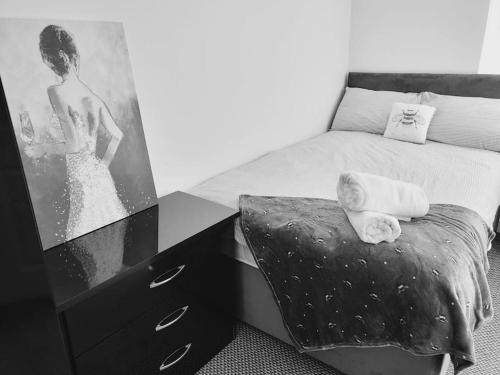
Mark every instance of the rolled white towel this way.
pixel 374 227
pixel 367 192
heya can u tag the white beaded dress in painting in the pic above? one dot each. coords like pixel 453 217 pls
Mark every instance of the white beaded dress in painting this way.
pixel 93 199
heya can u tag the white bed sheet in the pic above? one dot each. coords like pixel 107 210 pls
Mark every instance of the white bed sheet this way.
pixel 448 174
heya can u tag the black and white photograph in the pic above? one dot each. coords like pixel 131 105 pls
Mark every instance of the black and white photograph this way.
pixel 309 187
pixel 78 127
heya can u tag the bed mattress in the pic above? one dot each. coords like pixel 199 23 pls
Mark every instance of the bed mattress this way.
pixel 448 174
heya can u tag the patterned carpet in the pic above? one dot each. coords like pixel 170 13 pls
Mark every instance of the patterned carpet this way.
pixel 254 352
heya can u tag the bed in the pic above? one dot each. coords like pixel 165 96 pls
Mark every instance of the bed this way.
pixel 449 174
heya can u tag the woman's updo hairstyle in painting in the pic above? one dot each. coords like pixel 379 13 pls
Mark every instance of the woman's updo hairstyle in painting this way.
pixel 58 49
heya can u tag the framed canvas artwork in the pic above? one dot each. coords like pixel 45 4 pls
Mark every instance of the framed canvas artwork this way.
pixel 73 105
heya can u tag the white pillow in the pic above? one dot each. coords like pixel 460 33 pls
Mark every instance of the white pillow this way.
pixel 465 121
pixel 409 122
pixel 368 110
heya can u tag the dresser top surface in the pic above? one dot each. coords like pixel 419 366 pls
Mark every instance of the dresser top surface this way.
pixel 77 269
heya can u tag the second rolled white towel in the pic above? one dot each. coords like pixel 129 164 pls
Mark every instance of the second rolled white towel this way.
pixel 367 192
pixel 374 227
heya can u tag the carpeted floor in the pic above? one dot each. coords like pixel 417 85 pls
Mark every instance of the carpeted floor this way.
pixel 254 352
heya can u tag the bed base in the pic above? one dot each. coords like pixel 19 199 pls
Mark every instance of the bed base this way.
pixel 249 299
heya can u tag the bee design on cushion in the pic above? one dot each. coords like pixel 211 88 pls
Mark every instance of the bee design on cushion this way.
pixel 408 117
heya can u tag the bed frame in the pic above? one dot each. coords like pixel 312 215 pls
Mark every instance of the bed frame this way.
pixel 250 299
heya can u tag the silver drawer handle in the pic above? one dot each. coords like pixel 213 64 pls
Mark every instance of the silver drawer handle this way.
pixel 175 357
pixel 167 276
pixel 171 318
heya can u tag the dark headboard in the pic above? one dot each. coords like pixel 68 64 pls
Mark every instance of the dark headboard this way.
pixel 484 85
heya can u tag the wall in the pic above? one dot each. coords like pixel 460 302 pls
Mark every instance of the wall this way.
pixel 433 36
pixel 490 54
pixel 221 82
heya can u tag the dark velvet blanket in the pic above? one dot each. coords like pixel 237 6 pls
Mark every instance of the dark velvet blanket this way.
pixel 426 292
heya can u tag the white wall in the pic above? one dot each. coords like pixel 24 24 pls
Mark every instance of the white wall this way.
pixel 221 82
pixel 490 54
pixel 429 36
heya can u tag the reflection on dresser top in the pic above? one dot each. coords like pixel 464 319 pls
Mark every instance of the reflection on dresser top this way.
pixel 77 269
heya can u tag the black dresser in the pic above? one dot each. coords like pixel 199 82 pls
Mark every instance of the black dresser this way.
pixel 131 298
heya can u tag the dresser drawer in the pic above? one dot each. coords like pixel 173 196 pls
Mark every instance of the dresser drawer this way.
pixel 167 276
pixel 201 342
pixel 156 335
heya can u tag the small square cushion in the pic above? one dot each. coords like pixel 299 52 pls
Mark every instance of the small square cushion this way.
pixel 409 122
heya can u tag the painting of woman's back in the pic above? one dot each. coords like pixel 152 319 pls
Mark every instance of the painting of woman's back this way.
pixel 74 109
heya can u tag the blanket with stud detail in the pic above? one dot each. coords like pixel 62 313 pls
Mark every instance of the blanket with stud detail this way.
pixel 425 293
